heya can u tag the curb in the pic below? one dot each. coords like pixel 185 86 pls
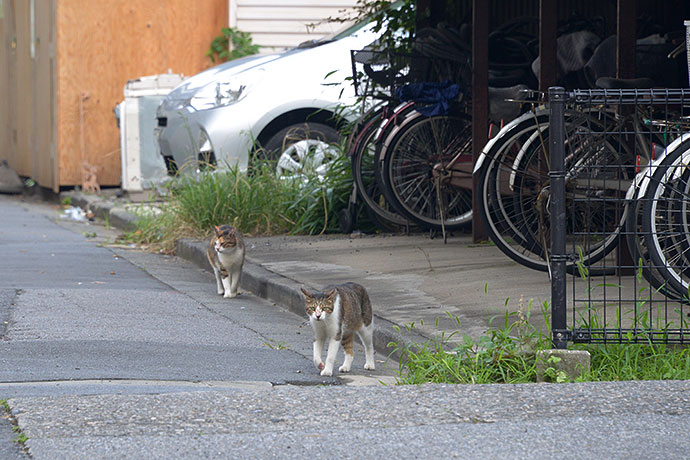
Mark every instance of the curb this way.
pixel 117 216
pixel 284 291
pixel 256 279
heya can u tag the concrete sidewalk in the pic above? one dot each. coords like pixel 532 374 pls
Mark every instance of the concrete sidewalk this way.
pixel 440 289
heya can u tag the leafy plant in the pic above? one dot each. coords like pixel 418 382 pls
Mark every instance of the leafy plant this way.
pixel 551 374
pixel 231 44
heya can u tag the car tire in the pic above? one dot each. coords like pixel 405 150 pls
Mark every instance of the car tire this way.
pixel 283 139
pixel 301 131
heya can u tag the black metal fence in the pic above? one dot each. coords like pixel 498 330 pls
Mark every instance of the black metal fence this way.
pixel 618 194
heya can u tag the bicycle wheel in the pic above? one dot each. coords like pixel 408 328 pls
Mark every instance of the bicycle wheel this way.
pixel 414 175
pixel 363 171
pixel 514 189
pixel 665 218
pixel 639 245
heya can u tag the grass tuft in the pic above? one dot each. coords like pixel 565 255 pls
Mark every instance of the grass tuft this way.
pixel 257 204
pixel 506 354
pixel 502 355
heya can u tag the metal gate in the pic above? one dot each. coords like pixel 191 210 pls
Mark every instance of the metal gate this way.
pixel 618 199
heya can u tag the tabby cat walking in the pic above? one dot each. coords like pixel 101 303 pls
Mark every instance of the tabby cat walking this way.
pixel 336 315
pixel 226 255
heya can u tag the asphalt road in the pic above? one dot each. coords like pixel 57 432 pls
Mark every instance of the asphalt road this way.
pixel 111 353
pixel 80 316
pixel 79 311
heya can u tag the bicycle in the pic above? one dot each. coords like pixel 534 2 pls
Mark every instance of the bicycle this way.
pixel 514 193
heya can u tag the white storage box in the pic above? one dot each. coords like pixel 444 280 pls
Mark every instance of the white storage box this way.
pixel 142 164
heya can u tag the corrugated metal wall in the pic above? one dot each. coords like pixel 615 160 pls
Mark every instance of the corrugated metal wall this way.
pixel 280 24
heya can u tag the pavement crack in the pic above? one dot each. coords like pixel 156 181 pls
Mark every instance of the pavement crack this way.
pixel 6 314
pixel 474 419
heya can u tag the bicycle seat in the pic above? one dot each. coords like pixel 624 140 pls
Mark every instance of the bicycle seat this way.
pixel 624 83
pixel 502 107
pixel 511 92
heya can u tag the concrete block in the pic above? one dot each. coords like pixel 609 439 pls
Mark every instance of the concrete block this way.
pixel 561 365
pixel 9 180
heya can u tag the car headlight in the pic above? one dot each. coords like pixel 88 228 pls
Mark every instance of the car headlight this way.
pixel 217 94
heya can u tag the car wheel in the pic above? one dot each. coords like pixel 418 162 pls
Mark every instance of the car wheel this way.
pixel 301 148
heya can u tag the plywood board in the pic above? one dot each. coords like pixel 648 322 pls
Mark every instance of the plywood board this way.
pixel 43 164
pixel 102 45
pixel 6 35
pixel 22 95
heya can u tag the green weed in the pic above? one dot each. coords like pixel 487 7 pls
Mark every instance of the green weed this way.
pixel 502 355
pixel 506 354
pixel 257 204
pixel 21 438
pixel 645 361
pixel 274 345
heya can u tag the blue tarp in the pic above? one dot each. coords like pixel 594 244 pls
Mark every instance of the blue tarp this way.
pixel 430 98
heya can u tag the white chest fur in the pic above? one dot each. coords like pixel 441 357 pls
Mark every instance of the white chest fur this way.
pixel 228 280
pixel 231 257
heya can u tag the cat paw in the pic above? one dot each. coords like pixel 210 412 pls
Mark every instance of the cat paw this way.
pixel 327 372
pixel 343 368
pixel 369 366
pixel 229 295
pixel 221 292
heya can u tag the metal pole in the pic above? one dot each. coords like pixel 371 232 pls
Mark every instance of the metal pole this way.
pixel 558 257
pixel 480 102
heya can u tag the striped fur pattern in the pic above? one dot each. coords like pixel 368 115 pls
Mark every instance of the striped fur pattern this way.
pixel 226 255
pixel 336 315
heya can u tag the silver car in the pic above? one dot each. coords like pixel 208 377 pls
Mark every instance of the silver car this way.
pixel 288 103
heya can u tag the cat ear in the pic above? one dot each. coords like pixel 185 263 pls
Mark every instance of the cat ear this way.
pixel 217 229
pixel 232 230
pixel 306 293
pixel 330 293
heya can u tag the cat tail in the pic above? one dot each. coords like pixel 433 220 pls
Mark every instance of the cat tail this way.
pixel 367 312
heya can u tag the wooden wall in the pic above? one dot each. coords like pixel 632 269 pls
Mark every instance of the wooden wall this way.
pixel 27 128
pixel 101 45
pixel 43 137
pixel 5 50
pixel 16 78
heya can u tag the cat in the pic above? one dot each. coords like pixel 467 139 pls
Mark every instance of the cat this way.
pixel 336 315
pixel 226 255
